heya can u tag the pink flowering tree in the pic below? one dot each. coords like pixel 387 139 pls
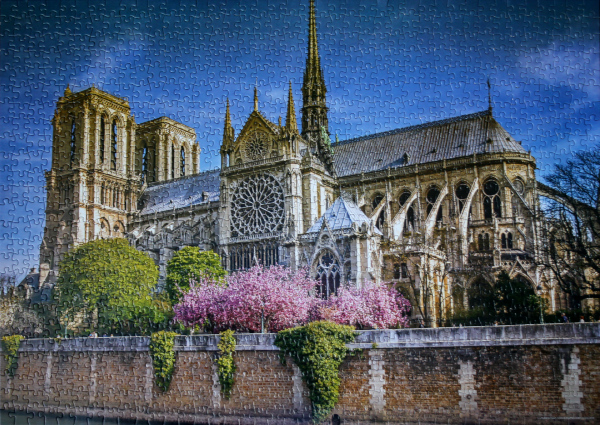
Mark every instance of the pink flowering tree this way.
pixel 272 299
pixel 257 300
pixel 202 304
pixel 373 306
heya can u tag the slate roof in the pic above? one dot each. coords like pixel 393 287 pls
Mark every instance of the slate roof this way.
pixel 340 216
pixel 181 193
pixel 434 141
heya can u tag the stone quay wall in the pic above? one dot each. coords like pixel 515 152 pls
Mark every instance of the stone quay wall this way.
pixel 506 374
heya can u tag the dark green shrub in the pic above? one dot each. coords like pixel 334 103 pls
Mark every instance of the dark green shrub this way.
pixel 318 349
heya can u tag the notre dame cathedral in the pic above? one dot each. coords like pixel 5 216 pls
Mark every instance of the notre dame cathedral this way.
pixel 437 208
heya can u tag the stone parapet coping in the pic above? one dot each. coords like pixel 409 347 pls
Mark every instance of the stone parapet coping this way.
pixel 477 336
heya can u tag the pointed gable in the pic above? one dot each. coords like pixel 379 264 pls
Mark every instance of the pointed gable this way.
pixel 341 215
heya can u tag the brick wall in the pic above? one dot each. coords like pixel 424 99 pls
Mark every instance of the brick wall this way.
pixel 524 374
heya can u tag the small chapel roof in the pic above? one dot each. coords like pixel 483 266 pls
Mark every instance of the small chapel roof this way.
pixel 460 136
pixel 341 215
pixel 182 192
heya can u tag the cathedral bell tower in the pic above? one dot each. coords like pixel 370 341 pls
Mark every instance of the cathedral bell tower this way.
pixel 314 108
pixel 92 185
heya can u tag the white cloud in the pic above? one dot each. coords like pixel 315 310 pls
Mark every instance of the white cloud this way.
pixel 576 66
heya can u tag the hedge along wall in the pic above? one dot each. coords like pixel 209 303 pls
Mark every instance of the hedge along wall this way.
pixel 536 374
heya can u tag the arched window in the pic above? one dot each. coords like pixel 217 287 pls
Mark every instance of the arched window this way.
pixel 73 144
pixel 509 240
pixel 328 275
pixel 102 194
pixel 182 162
pixel 102 139
pixel 113 146
pixel 462 193
pixel 484 241
pixel 503 238
pixel 432 195
pixel 144 162
pixel 381 218
pixel 409 222
pixel 491 200
pixel 403 198
pixel 396 271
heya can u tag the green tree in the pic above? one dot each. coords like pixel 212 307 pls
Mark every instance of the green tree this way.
pixel 191 263
pixel 511 302
pixel 107 281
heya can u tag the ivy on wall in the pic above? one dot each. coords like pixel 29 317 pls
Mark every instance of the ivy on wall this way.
pixel 225 362
pixel 318 349
pixel 10 347
pixel 162 351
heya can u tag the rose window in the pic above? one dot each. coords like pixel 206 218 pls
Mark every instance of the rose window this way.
pixel 256 147
pixel 257 206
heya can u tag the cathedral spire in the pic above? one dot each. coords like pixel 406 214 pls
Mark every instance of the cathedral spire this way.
pixel 489 95
pixel 227 117
pixel 255 99
pixel 314 108
pixel 290 118
pixel 313 61
pixel 228 131
pixel 228 138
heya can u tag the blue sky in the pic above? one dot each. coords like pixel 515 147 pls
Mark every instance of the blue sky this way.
pixel 387 64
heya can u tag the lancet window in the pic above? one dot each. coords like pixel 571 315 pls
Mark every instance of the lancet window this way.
pixel 113 146
pixel 381 218
pixel 462 193
pixel 73 144
pixel 409 222
pixel 182 162
pixel 328 274
pixel 172 161
pixel 507 240
pixel 484 241
pixel 432 195
pixel 102 139
pixel 144 163
pixel 492 206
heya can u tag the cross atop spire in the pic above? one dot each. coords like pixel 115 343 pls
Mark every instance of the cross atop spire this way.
pixel 290 118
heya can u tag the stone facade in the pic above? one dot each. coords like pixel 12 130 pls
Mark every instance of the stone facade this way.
pixel 438 209
pixel 522 374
